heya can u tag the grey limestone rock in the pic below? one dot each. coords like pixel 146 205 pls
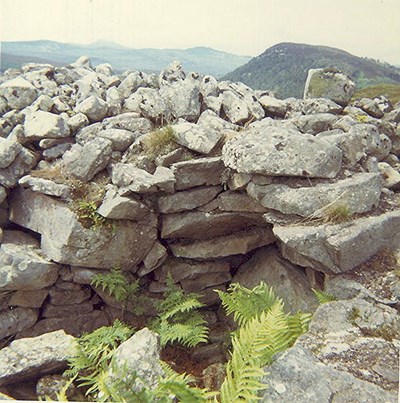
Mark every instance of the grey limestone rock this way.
pixel 235 109
pixel 147 102
pixel 8 152
pixel 93 107
pixel 391 176
pixel 322 83
pixel 314 123
pixel 272 106
pixel 26 358
pixel 371 106
pixel 84 162
pixel 45 186
pixel 320 105
pixel 277 151
pixel 18 92
pixel 40 125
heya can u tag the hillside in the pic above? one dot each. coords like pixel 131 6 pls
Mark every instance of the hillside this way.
pixel 201 59
pixel 283 68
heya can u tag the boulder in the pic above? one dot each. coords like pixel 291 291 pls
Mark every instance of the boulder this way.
pixel 357 194
pixel 65 240
pixel 234 108
pixel 314 123
pixel 141 354
pixel 28 298
pixel 8 152
pixel 93 107
pixel 370 106
pixel 41 125
pixel 131 83
pixel 273 107
pixel 45 186
pixel 341 247
pixel 15 320
pixel 18 92
pixel 195 138
pixel 27 358
pixel 320 106
pixel 288 281
pixel 77 122
pixel 199 225
pixel 391 176
pixel 277 151
pixel 84 162
pixel 241 242
pixel 333 85
pixel 147 102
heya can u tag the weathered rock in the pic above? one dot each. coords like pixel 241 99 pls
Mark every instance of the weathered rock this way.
pixel 56 151
pixel 131 83
pixel 238 243
pixel 66 311
pixel 23 267
pixel 288 281
pixel 199 172
pixel 14 320
pixel 114 101
pixel 18 92
pixel 28 298
pixel 199 225
pixel 3 194
pixel 147 102
pixel 187 200
pixel 315 123
pixel 40 125
pixel 235 201
pixel 272 106
pixel 200 282
pixel 357 194
pixel 297 375
pixel 50 386
pixel 157 255
pixel 74 325
pixel 45 186
pixel 341 247
pixel 94 108
pixel 84 162
pixel 8 152
pixel 195 138
pixel 68 297
pixel 24 359
pixel 119 207
pixel 141 354
pixel 129 121
pixel 65 240
pixel 234 108
pixel 322 83
pixel 281 152
pixel 77 122
pixel 371 106
pixel 391 177
pixel 320 105
pixel 24 161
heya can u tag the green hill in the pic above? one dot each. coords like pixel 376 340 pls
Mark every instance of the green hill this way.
pixel 283 68
pixel 390 91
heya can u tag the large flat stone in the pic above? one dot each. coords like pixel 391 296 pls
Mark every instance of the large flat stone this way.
pixel 199 225
pixel 358 193
pixel 41 125
pixel 277 151
pixel 65 240
pixel 33 357
pixel 341 247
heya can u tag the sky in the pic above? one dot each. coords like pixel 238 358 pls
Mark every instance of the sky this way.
pixel 368 28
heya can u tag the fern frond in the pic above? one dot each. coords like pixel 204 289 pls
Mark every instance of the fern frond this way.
pixel 323 297
pixel 247 303
pixel 188 305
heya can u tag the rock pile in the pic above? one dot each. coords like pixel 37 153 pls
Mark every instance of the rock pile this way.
pixel 179 173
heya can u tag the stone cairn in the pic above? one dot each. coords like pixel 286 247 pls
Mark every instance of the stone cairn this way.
pixel 208 180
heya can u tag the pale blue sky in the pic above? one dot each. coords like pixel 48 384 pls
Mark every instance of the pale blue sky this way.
pixel 248 27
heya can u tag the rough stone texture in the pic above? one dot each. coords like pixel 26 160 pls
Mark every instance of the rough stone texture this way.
pixel 15 320
pixel 148 103
pixel 8 151
pixel 196 138
pixel 157 255
pixel 289 282
pixel 358 193
pixel 27 358
pixel 235 201
pixel 341 247
pixel 41 125
pixel 66 310
pixel 18 92
pixel 371 106
pixel 24 161
pixel 391 176
pixel 3 194
pixel 141 353
pixel 68 297
pixel 50 386
pixel 280 152
pixel 238 243
pixel 187 200
pixel 93 107
pixel 119 207
pixel 198 283
pixel 272 106
pixel 320 105
pixel 84 162
pixel 199 172
pixel 297 376
pixel 199 225
pixel 65 240
pixel 129 121
pixel 331 85
pixel 234 108
pixel 45 186
pixel 315 123
pixel 28 298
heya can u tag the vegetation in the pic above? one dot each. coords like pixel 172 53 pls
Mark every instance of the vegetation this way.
pixel 390 91
pixel 323 297
pixel 159 142
pixel 263 331
pixel 335 212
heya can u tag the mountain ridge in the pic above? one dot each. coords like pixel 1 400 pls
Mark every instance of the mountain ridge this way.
pixel 283 68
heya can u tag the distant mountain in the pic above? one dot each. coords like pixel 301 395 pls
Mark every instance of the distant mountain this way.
pixel 200 59
pixel 283 68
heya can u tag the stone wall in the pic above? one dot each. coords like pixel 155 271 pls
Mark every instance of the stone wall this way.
pixel 244 186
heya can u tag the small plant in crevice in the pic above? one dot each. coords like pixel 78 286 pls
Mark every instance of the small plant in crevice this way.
pixel 353 315
pixel 178 317
pixel 323 297
pixel 88 216
pixel 158 142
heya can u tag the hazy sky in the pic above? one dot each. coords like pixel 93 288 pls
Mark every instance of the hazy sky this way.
pixel 363 27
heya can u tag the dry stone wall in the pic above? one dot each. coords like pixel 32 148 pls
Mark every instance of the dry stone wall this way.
pixel 179 173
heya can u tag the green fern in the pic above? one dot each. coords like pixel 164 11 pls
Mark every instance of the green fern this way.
pixel 94 354
pixel 247 303
pixel 179 319
pixel 323 297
